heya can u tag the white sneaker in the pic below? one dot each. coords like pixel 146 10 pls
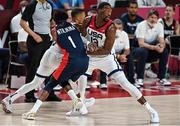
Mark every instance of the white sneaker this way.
pixel 139 83
pixel 89 102
pixel 165 82
pixel 83 110
pixel 154 118
pixel 73 113
pixel 77 105
pixel 7 105
pixel 150 74
pixel 103 86
pixel 29 116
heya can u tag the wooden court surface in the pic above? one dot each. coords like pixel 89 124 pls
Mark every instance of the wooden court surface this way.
pixel 106 112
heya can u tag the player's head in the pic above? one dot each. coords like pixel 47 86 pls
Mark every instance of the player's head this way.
pixel 60 16
pixel 104 11
pixel 153 16
pixel 78 15
pixel 170 11
pixel 119 24
pixel 132 8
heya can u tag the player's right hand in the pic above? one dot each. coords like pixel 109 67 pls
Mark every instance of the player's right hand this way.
pixel 91 47
pixel 37 38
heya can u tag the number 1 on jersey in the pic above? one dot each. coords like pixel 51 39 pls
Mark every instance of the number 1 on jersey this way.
pixel 72 42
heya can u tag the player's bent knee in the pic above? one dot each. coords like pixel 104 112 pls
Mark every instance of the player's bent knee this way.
pixel 121 79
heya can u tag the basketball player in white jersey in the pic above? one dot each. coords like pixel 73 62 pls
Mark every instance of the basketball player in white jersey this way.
pixel 49 62
pixel 100 29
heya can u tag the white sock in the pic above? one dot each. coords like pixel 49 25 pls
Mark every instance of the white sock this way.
pixel 14 96
pixel 72 95
pixel 74 86
pixel 82 83
pixel 36 106
pixel 148 107
pixel 27 87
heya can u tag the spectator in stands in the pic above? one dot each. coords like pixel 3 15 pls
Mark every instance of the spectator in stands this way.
pixel 150 35
pixel 14 29
pixel 15 22
pixel 171 26
pixel 121 44
pixel 67 4
pixel 151 3
pixel 130 21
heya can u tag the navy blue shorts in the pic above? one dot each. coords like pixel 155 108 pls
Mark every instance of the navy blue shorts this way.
pixel 71 69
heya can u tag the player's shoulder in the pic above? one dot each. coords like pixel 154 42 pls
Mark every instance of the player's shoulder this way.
pixel 139 18
pixel 112 25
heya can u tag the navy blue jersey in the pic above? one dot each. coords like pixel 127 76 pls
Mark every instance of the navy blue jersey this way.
pixel 69 39
pixel 75 60
pixel 169 29
pixel 130 26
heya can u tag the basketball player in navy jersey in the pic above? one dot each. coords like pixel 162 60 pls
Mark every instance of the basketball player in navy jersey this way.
pixel 74 63
pixel 99 29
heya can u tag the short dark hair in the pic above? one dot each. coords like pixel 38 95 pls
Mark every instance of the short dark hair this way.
pixel 132 2
pixel 170 5
pixel 102 4
pixel 153 12
pixel 60 15
pixel 76 11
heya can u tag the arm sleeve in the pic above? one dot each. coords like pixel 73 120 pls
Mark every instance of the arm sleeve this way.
pixel 29 10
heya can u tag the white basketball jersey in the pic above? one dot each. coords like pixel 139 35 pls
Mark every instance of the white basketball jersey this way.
pixel 97 35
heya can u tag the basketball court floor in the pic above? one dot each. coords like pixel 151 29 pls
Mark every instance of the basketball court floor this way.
pixel 113 107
